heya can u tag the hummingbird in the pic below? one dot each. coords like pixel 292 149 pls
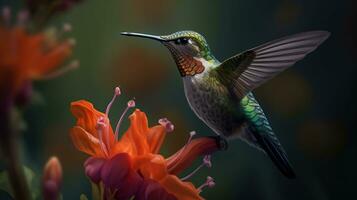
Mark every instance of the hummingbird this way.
pixel 221 93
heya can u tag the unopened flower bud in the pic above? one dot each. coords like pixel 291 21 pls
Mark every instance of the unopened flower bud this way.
pixel 52 179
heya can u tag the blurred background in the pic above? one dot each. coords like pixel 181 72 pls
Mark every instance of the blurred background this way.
pixel 311 106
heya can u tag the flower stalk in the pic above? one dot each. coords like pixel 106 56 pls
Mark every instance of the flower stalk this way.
pixel 9 148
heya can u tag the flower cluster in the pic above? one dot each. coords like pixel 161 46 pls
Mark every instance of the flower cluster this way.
pixel 26 56
pixel 132 166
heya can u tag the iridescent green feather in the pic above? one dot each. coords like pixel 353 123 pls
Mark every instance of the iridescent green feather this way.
pixel 254 113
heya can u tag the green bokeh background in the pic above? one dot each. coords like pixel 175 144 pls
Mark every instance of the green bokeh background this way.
pixel 311 106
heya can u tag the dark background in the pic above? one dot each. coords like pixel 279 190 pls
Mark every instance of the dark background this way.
pixel 311 106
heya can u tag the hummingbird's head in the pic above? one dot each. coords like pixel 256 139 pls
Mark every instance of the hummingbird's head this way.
pixel 188 48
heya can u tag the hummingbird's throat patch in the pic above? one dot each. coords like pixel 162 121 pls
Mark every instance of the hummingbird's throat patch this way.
pixel 188 66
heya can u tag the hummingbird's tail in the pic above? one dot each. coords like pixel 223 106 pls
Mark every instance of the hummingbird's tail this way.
pixel 259 133
pixel 271 145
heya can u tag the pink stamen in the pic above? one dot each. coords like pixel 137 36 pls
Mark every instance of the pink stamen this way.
pixel 206 162
pixel 167 124
pixel 71 66
pixel 192 133
pixel 117 92
pixel 209 183
pixel 109 106
pixel 105 132
pixel 130 104
pixel 101 126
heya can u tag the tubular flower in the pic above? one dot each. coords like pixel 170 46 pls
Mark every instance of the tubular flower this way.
pixel 132 166
pixel 28 56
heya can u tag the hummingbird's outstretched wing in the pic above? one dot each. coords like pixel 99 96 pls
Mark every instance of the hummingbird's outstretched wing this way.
pixel 250 69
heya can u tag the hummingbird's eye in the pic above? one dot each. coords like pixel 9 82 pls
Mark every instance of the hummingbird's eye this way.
pixel 181 41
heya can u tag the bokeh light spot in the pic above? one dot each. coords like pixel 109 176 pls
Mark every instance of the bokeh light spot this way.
pixel 287 12
pixel 322 138
pixel 288 94
pixel 139 70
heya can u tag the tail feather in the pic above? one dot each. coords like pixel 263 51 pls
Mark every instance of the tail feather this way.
pixel 259 132
pixel 277 154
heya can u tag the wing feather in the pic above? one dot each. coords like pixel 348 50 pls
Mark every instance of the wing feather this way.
pixel 252 68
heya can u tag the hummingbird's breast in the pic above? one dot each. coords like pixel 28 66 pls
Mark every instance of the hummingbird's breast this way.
pixel 212 103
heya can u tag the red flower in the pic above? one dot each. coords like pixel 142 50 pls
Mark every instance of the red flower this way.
pixel 132 166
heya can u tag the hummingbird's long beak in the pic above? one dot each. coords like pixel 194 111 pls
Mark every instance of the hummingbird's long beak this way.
pixel 154 37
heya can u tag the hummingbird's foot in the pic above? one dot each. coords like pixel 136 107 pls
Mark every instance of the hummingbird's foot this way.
pixel 222 142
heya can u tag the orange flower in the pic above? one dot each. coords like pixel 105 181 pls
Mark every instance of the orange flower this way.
pixel 28 56
pixel 136 154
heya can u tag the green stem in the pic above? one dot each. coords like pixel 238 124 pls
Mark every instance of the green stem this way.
pixel 9 146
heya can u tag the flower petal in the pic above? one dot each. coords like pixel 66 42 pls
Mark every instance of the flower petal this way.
pixel 197 147
pixel 151 166
pixel 31 52
pixel 129 186
pixel 155 138
pixel 136 135
pixel 87 118
pixel 12 75
pixel 12 40
pixel 181 190
pixel 93 167
pixel 115 170
pixel 85 142
pixel 152 190
pixel 86 115
pixel 118 175
pixel 52 59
